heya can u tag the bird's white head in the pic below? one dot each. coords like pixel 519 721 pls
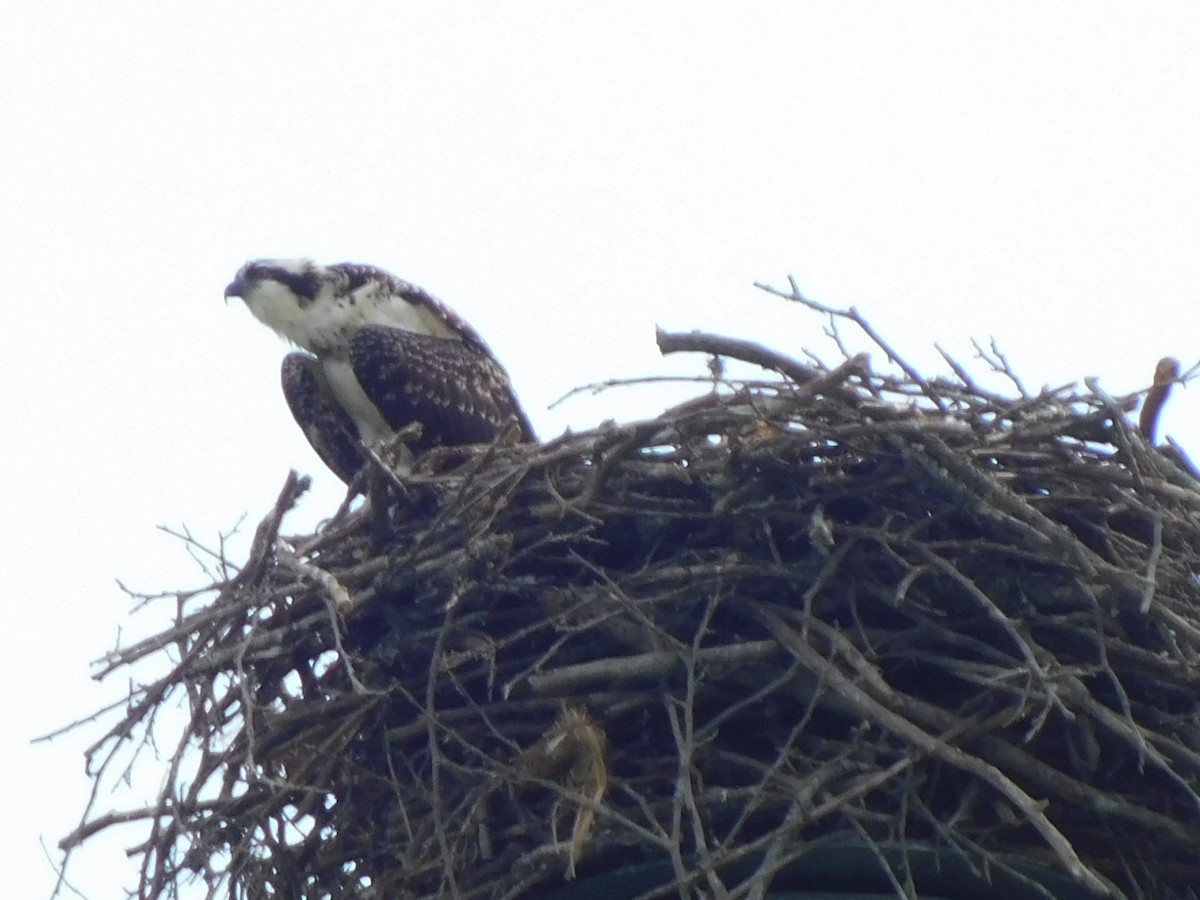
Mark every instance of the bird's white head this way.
pixel 283 294
pixel 318 307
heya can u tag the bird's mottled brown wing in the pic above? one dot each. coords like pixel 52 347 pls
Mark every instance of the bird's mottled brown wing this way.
pixel 328 428
pixel 455 389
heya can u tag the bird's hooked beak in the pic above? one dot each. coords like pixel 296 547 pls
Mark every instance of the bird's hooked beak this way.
pixel 236 288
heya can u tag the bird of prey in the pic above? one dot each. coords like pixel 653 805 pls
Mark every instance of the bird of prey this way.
pixel 377 354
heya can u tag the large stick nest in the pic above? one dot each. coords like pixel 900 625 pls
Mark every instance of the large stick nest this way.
pixel 839 609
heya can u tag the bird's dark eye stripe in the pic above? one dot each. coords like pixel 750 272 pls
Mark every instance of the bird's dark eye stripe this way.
pixel 303 284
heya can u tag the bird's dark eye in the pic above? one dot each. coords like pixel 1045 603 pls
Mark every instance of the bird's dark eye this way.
pixel 304 285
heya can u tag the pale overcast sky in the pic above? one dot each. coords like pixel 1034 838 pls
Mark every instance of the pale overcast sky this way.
pixel 566 177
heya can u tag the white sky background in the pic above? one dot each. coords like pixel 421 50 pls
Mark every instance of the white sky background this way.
pixel 564 177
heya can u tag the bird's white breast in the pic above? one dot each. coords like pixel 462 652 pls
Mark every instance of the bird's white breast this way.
pixel 372 427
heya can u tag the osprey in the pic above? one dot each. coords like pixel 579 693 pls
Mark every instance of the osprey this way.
pixel 377 354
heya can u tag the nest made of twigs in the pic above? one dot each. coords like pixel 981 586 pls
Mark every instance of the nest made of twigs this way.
pixel 841 605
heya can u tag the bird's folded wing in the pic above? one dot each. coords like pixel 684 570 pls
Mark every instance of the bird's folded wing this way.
pixel 328 428
pixel 455 389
